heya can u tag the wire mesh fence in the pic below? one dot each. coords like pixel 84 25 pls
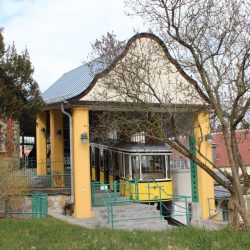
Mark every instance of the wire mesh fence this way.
pixel 34 205
pixel 46 174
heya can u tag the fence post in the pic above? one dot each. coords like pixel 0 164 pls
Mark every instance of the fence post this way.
pixel 136 191
pixel 160 205
pixel 112 215
pixel 130 191
pixel 187 215
pixel 148 192
pixel 115 190
pixel 208 199
pixel 92 194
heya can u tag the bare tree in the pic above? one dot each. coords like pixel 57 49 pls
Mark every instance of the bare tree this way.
pixel 207 43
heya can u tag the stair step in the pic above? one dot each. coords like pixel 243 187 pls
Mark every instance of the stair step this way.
pixel 151 225
pixel 126 207
pixel 132 216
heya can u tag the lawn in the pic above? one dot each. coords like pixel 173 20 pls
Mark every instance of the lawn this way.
pixel 53 234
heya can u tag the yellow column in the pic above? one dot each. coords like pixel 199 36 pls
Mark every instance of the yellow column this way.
pixel 56 143
pixel 41 143
pixel 205 182
pixel 81 158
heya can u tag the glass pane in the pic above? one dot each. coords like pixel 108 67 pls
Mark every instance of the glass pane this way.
pixel 168 167
pixel 153 167
pixel 101 160
pixel 121 173
pixel 110 162
pixel 92 156
pixel 126 164
pixel 135 167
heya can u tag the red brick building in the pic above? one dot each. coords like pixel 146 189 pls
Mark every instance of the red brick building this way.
pixel 9 138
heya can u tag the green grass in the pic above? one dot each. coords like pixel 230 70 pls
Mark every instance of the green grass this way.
pixel 53 234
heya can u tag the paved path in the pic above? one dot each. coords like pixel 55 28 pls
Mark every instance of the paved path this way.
pixel 88 223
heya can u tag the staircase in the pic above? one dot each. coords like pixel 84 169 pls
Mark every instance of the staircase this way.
pixel 127 214
pixel 101 197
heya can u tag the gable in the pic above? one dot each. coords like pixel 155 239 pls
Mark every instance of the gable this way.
pixel 144 74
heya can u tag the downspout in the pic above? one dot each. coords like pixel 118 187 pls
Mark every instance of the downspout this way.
pixel 71 154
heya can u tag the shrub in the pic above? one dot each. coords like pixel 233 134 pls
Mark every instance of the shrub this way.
pixel 12 186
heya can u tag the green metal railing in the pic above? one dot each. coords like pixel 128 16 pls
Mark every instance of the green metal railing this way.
pixel 219 207
pixel 53 173
pixel 100 198
pixel 103 196
pixel 182 210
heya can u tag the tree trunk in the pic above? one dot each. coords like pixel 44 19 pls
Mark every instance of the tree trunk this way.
pixel 234 211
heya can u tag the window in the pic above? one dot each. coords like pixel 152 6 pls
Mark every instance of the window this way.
pixel 179 164
pixel 101 160
pixel 92 155
pixel 111 168
pixel 112 134
pixel 126 166
pixel 138 137
pixel 153 167
pixel 120 163
pixel 135 167
pixel 168 167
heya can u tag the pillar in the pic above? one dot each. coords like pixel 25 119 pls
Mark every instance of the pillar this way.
pixel 41 143
pixel 56 147
pixel 81 158
pixel 205 182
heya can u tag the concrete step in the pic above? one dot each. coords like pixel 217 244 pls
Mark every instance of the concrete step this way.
pixel 156 225
pixel 102 199
pixel 132 215
pixel 126 208
pixel 105 193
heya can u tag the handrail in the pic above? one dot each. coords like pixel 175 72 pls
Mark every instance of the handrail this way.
pixel 109 203
pixel 178 196
pixel 215 211
pixel 94 184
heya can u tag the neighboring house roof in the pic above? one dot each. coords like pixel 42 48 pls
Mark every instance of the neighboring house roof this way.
pixel 243 139
pixel 221 192
pixel 78 82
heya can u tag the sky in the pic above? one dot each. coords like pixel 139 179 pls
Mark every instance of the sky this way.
pixel 58 33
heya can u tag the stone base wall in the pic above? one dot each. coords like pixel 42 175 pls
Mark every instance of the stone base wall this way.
pixel 56 203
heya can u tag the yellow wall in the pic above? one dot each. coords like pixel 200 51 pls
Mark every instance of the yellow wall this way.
pixel 205 182
pixel 81 157
pixel 56 142
pixel 41 144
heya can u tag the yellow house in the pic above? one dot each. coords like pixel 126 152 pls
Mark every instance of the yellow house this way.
pixel 143 72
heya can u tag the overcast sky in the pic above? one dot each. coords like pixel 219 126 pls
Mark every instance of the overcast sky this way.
pixel 58 33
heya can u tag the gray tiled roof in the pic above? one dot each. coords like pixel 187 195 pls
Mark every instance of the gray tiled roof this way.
pixel 221 192
pixel 73 82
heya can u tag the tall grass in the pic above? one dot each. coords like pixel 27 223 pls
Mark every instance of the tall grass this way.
pixel 53 234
